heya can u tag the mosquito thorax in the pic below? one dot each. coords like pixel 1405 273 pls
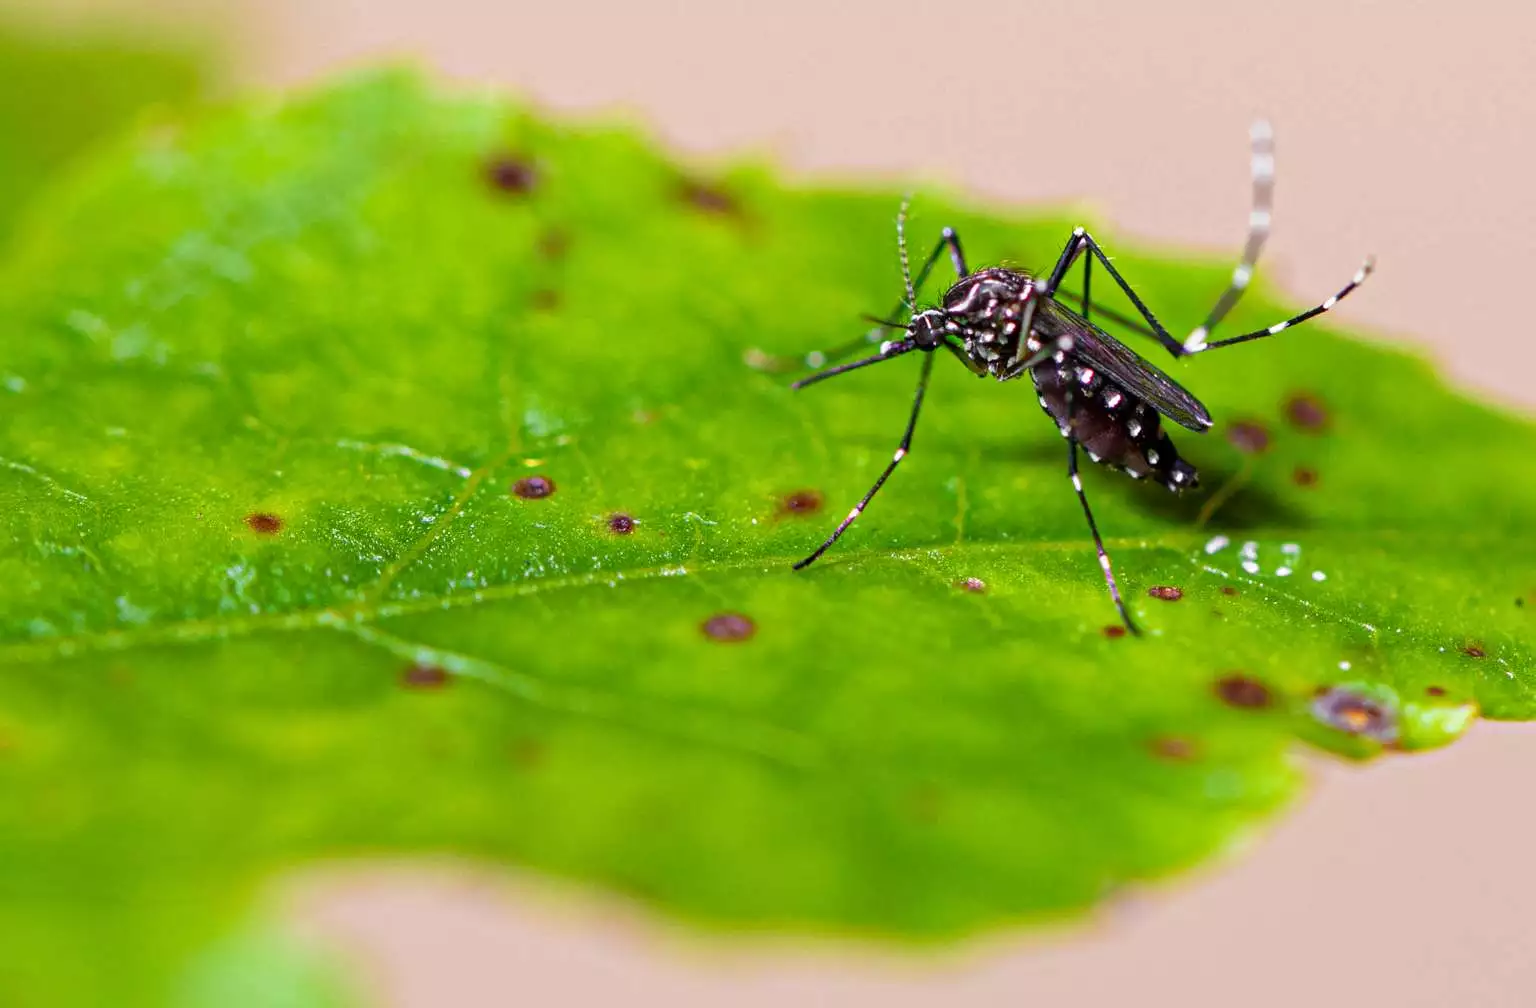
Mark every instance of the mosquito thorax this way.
pixel 987 310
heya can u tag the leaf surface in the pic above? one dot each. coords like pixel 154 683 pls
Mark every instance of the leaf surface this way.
pixel 386 479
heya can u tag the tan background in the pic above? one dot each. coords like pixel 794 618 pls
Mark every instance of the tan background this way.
pixel 1403 128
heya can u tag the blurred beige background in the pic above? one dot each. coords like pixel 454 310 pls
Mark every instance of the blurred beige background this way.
pixel 1403 128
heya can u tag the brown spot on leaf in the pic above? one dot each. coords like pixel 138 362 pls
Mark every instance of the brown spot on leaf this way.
pixel 1228 590
pixel 728 627
pixel 1114 630
pixel 511 173
pixel 1238 690
pixel 974 585
pixel 1248 436
pixel 1168 593
pixel 424 676
pixel 553 244
pixel 620 523
pixel 527 753
pixel 926 802
pixel 544 299
pixel 1474 649
pixel 1435 690
pixel 1348 711
pixel 802 502
pixel 1302 476
pixel 1306 411
pixel 264 522
pixel 533 487
pixel 1173 747
pixel 709 198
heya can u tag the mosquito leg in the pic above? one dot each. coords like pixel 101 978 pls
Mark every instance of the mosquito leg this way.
pixel 1087 288
pixel 1098 542
pixel 1279 327
pixel 948 240
pixel 781 363
pixel 1262 145
pixel 1258 230
pixel 1262 170
pixel 1080 242
pixel 964 358
pixel 894 348
pixel 1259 216
pixel 901 453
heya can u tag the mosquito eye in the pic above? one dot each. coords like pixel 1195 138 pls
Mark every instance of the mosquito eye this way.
pixel 923 330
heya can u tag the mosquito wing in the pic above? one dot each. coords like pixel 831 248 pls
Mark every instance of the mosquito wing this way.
pixel 1131 371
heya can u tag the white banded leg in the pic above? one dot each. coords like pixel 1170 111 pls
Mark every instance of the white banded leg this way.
pixel 1279 327
pixel 901 453
pixel 1262 140
pixel 1098 541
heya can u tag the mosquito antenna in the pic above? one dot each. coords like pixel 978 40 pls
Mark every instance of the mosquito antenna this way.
pixel 901 247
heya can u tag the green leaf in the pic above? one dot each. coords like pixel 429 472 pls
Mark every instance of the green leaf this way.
pixel 61 95
pixel 269 594
pixel 260 965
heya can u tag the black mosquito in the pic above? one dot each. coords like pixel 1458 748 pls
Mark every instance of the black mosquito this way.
pixel 1102 395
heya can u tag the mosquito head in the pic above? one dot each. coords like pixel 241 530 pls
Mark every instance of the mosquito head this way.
pixel 927 328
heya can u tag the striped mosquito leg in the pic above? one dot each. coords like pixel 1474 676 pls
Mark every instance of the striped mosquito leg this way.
pixel 1279 327
pixel 901 453
pixel 1262 139
pixel 1098 542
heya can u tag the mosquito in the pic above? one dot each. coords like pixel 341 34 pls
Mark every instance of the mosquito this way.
pixel 1103 397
